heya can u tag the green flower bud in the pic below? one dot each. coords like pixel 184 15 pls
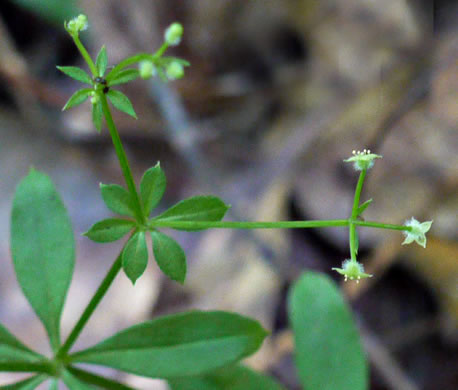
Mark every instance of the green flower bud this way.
pixel 174 71
pixel 147 69
pixel 362 160
pixel 95 98
pixel 74 26
pixel 173 34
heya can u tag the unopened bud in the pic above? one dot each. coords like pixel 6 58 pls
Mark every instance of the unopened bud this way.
pixel 174 71
pixel 173 34
pixel 147 69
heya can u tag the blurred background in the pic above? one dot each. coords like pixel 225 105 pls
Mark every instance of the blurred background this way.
pixel 278 94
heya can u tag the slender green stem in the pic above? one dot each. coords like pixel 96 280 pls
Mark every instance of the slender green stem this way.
pixel 98 380
pixel 161 50
pixel 359 187
pixel 44 366
pixel 123 162
pixel 92 305
pixel 85 55
pixel 354 214
pixel 380 225
pixel 137 58
pixel 185 225
pixel 129 61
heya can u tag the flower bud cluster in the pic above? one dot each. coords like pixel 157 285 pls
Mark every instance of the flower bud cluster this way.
pixel 173 34
pixel 76 25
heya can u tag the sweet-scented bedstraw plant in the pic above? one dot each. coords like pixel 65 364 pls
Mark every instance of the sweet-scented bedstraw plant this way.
pixel 194 349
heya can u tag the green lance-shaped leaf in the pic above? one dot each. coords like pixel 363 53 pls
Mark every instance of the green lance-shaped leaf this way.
pixel 11 349
pixel 73 383
pixel 152 187
pixel 135 256
pixel 118 199
pixel 124 76
pixel 169 256
pixel 362 207
pixel 54 384
pixel 43 249
pixel 76 73
pixel 197 208
pixel 109 230
pixel 328 351
pixel 101 61
pixel 97 115
pixel 77 98
pixel 235 377
pixel 26 384
pixel 121 102
pixel 191 343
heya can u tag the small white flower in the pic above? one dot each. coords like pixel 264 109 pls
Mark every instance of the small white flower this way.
pixel 173 34
pixel 417 232
pixel 362 160
pixel 352 270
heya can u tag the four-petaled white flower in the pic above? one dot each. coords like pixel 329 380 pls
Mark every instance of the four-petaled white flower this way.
pixel 362 160
pixel 417 232
pixel 352 270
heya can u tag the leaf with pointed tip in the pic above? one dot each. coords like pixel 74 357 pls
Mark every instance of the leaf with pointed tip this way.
pixel 118 199
pixel 197 208
pixel 328 352
pixel 101 61
pixel 76 73
pixel 12 349
pixel 236 377
pixel 169 256
pixel 363 207
pixel 135 256
pixel 109 230
pixel 152 187
pixel 190 343
pixel 97 380
pixel 26 384
pixel 77 98
pixel 121 102
pixel 73 383
pixel 43 249
pixel 97 116
pixel 124 76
